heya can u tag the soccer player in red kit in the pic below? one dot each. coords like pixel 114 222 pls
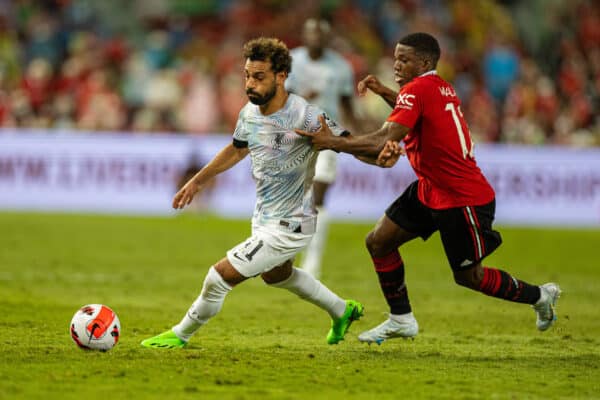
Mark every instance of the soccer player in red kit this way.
pixel 450 195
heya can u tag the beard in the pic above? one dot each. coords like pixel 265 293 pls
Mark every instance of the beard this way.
pixel 259 100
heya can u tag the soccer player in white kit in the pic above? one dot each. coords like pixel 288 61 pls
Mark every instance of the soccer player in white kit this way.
pixel 324 78
pixel 284 217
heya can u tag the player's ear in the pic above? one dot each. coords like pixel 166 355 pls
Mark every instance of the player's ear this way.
pixel 280 77
pixel 427 64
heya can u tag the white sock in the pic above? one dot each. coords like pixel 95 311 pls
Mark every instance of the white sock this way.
pixel 403 318
pixel 314 251
pixel 207 305
pixel 313 291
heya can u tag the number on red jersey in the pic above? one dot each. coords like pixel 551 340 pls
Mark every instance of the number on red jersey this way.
pixel 457 117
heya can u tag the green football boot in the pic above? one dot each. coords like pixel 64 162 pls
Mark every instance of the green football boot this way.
pixel 166 340
pixel 339 326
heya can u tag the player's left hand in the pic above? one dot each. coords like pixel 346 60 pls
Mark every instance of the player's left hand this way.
pixel 390 154
pixel 322 139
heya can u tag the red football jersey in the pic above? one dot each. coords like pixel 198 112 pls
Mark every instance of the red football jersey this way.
pixel 438 145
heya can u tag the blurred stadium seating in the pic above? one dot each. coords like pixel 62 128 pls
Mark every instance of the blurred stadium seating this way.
pixel 527 71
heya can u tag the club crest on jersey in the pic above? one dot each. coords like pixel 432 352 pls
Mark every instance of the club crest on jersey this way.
pixel 281 139
pixel 277 141
pixel 404 100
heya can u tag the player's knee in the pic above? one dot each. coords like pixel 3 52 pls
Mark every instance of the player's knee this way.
pixel 461 280
pixel 214 285
pixel 470 278
pixel 212 278
pixel 376 246
pixel 272 279
pixel 278 274
pixel 370 242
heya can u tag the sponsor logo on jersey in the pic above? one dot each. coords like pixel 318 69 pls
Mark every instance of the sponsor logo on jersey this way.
pixel 404 100
pixel 331 123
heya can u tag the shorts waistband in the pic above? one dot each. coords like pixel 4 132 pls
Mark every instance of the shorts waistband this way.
pixel 289 226
pixel 306 227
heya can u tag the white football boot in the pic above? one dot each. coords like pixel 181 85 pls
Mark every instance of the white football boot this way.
pixel 544 308
pixel 407 327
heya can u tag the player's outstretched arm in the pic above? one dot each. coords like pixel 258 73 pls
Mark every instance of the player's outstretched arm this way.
pixel 387 158
pixel 368 145
pixel 225 159
pixel 370 82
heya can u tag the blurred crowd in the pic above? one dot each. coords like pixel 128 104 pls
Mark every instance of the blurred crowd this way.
pixel 527 71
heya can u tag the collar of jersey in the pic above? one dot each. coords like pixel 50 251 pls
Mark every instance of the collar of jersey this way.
pixel 432 72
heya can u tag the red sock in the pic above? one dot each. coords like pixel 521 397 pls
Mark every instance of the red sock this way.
pixel 502 285
pixel 390 270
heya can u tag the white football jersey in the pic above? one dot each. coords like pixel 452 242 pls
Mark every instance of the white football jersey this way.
pixel 330 76
pixel 283 162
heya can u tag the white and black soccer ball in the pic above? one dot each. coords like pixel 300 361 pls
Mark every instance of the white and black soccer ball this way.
pixel 95 327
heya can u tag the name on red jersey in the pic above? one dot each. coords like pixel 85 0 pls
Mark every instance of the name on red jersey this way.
pixel 447 91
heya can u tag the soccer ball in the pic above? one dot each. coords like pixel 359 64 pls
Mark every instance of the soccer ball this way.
pixel 95 327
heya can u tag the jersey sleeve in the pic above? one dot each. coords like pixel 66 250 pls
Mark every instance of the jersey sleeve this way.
pixel 409 106
pixel 312 123
pixel 240 134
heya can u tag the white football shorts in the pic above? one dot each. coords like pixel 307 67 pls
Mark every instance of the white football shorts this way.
pixel 326 167
pixel 267 248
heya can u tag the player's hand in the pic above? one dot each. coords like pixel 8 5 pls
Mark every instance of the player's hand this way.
pixel 186 194
pixel 390 154
pixel 322 139
pixel 370 82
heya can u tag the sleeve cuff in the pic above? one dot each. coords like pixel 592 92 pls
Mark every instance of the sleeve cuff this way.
pixel 240 144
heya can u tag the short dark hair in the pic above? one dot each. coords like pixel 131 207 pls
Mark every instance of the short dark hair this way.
pixel 425 45
pixel 269 49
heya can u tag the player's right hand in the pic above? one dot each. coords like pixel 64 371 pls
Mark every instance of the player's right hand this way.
pixel 369 82
pixel 186 194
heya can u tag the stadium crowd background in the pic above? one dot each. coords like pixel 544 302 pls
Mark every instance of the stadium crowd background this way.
pixel 527 71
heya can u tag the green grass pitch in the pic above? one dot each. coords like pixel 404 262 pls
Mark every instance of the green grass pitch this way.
pixel 268 344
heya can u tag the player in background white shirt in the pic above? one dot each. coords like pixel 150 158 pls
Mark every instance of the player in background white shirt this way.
pixel 324 78
pixel 284 218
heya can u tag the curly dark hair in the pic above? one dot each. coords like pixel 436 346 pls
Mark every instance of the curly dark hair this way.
pixel 269 49
pixel 425 45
